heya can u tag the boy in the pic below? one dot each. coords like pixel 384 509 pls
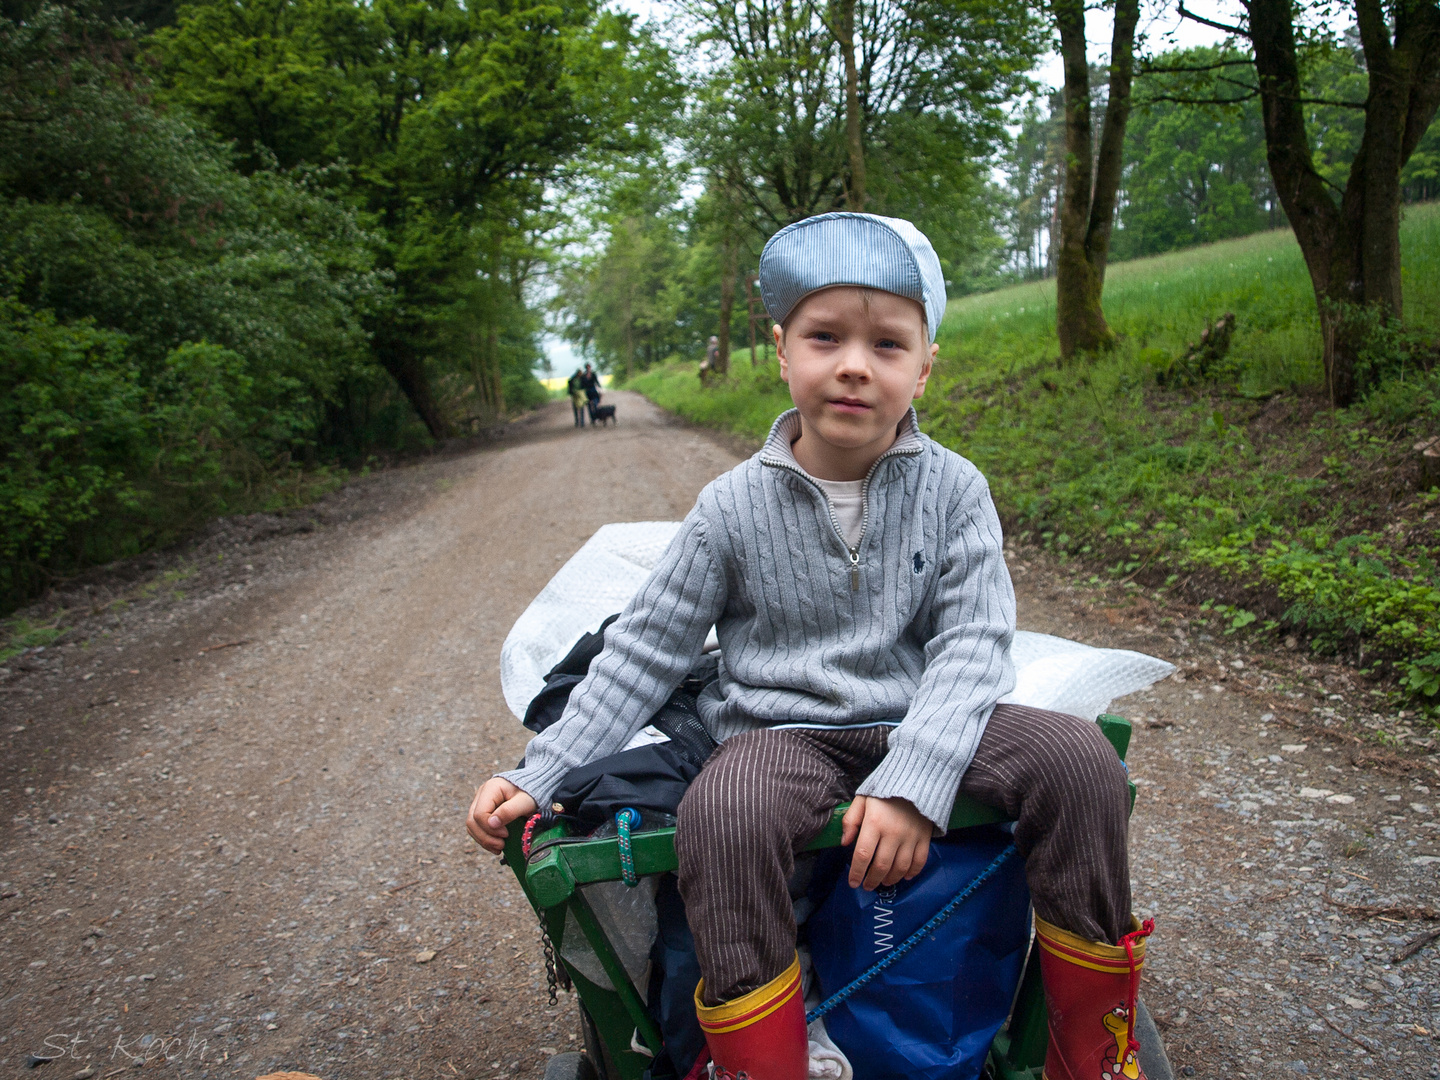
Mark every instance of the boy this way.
pixel 853 570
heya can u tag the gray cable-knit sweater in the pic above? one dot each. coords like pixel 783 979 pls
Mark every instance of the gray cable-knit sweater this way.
pixel 911 627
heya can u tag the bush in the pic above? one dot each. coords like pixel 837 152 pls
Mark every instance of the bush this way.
pixel 175 333
pixel 72 429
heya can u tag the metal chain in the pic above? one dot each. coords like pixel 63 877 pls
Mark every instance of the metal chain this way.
pixel 552 980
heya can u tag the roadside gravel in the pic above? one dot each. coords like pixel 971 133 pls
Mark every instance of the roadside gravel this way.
pixel 1286 855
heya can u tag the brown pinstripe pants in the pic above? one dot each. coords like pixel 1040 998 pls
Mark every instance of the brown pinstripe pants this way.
pixel 763 795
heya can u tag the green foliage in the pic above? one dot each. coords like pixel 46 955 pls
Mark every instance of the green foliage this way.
pixel 98 458
pixel 333 207
pixel 71 424
pixel 933 82
pixel 453 118
pixel 744 403
pixel 651 290
pixel 174 331
pixel 1193 173
pixel 764 128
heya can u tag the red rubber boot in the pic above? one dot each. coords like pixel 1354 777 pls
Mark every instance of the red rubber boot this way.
pixel 760 1036
pixel 1090 992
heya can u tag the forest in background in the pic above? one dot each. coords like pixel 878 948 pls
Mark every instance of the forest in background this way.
pixel 245 244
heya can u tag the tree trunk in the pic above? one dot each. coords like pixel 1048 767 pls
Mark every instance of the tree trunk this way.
pixel 407 368
pixel 1092 180
pixel 497 384
pixel 843 26
pixel 1352 251
pixel 728 257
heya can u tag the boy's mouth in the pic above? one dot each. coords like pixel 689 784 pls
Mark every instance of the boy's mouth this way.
pixel 849 405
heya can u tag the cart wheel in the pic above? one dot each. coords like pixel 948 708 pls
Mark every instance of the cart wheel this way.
pixel 572 1066
pixel 1153 1060
pixel 599 1058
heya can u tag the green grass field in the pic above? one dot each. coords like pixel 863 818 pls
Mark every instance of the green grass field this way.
pixel 1246 490
pixel 1163 302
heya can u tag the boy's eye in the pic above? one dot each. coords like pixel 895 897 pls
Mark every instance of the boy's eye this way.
pixel 823 335
pixel 888 343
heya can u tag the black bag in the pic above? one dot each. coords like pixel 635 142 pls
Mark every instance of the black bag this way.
pixel 651 779
pixel 546 706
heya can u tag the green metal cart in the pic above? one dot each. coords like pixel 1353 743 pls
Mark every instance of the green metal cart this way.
pixel 619 1035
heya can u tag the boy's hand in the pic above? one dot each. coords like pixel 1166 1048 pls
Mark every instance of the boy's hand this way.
pixel 892 841
pixel 497 803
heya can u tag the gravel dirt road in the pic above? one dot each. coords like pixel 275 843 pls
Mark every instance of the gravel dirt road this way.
pixel 233 796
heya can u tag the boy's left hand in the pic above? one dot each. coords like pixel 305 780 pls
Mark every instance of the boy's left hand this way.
pixel 892 840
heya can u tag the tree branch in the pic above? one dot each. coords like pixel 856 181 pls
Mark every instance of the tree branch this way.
pixel 1253 90
pixel 1174 99
pixel 1184 14
pixel 1147 69
pixel 1327 101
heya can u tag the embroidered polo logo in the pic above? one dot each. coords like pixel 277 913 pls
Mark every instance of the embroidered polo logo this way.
pixel 919 562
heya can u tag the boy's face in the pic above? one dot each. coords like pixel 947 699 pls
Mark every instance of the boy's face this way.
pixel 855 359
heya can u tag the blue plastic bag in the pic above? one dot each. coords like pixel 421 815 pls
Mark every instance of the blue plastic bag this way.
pixel 933 1014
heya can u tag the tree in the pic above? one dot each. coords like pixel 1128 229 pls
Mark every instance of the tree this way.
pixel 1092 176
pixel 729 268
pixel 451 116
pixel 842 27
pixel 1350 239
pixel 777 107
pixel 1034 166
pixel 621 298
pixel 1193 173
pixel 173 332
pixel 114 211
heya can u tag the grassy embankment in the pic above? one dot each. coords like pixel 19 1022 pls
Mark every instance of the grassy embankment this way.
pixel 1243 488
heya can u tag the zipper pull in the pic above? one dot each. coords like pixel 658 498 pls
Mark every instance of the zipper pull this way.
pixel 854 569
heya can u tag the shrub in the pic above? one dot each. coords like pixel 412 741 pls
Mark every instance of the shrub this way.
pixel 72 430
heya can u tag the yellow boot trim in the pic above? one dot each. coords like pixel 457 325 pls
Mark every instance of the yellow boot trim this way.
pixel 1095 955
pixel 750 1008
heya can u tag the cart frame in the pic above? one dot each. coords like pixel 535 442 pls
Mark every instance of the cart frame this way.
pixel 617 1020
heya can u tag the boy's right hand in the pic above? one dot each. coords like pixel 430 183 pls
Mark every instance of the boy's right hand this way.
pixel 496 804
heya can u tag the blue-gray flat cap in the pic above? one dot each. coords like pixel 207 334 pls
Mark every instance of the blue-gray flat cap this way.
pixel 847 248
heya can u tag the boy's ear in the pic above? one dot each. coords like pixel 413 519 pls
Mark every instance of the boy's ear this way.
pixel 925 370
pixel 779 333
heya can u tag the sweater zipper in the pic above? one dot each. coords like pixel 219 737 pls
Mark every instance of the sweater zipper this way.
pixel 853 552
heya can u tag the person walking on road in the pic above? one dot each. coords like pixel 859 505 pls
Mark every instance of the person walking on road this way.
pixel 577 397
pixel 590 383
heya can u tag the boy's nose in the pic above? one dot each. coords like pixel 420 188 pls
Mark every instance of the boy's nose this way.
pixel 853 363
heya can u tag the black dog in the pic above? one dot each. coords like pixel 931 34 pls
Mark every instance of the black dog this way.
pixel 600 414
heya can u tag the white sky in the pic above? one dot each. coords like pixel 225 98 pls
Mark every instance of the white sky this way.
pixel 1161 29
pixel 1160 26
pixel 560 356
